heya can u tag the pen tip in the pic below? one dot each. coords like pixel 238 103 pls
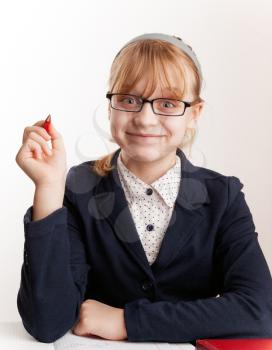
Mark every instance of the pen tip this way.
pixel 48 119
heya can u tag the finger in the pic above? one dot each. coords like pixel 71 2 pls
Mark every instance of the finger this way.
pixel 39 122
pixel 32 146
pixel 56 137
pixel 80 329
pixel 41 142
pixel 39 130
pixel 38 155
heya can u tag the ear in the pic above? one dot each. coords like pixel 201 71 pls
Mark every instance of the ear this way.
pixel 195 114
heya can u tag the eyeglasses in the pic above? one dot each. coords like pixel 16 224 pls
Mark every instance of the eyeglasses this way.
pixel 161 106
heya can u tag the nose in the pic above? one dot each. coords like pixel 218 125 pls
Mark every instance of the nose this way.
pixel 146 115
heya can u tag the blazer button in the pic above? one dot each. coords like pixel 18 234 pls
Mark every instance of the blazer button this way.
pixel 150 227
pixel 147 285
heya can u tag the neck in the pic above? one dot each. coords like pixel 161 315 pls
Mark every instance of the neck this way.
pixel 149 172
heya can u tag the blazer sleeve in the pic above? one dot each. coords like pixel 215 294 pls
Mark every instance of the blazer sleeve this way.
pixel 244 307
pixel 54 271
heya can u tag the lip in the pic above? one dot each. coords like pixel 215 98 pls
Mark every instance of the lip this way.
pixel 144 135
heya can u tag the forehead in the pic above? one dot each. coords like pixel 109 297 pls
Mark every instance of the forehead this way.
pixel 159 91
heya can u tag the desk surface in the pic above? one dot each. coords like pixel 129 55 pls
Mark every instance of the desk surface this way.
pixel 15 337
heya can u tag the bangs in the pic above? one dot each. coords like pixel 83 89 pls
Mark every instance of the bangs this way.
pixel 153 61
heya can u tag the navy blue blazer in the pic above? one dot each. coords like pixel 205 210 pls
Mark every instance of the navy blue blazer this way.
pixel 209 280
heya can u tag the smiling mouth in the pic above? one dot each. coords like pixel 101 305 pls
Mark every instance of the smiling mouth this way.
pixel 144 135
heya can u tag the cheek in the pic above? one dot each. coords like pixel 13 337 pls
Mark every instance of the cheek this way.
pixel 117 125
pixel 176 129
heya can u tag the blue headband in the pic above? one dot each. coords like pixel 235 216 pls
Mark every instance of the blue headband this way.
pixel 173 40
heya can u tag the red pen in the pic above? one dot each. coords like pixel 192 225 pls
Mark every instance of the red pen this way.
pixel 47 122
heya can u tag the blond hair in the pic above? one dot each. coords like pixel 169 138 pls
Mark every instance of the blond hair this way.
pixel 154 56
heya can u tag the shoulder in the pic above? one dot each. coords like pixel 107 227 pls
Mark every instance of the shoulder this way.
pixel 220 185
pixel 81 178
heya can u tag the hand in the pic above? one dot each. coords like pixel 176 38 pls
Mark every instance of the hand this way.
pixel 35 159
pixel 100 319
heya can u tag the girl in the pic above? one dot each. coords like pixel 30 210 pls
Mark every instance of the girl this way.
pixel 141 244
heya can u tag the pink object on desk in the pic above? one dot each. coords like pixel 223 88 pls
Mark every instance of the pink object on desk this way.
pixel 234 344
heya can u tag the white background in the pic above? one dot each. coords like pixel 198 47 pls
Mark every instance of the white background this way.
pixel 55 58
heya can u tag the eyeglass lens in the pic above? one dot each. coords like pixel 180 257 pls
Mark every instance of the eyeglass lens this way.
pixel 132 103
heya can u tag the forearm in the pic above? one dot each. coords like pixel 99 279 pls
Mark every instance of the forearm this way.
pixel 47 199
pixel 48 297
pixel 54 273
pixel 230 316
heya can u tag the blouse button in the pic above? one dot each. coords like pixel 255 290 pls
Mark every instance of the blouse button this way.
pixel 149 227
pixel 149 191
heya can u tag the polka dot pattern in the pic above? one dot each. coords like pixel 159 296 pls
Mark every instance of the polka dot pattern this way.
pixel 151 206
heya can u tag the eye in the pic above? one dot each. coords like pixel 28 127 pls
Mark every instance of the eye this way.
pixel 168 104
pixel 129 99
pixel 164 103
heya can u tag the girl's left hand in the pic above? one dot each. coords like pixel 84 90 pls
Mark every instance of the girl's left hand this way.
pixel 101 320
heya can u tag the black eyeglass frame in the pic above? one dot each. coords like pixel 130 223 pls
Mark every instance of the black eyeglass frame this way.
pixel 143 100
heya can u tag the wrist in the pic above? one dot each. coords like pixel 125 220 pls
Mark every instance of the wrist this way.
pixel 47 199
pixel 56 185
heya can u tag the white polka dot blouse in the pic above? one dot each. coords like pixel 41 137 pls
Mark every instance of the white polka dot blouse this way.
pixel 151 206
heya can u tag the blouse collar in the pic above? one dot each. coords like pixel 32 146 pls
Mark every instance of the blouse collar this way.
pixel 166 186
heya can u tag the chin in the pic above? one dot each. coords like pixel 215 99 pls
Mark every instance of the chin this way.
pixel 144 154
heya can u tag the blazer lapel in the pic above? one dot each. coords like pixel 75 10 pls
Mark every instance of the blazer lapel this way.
pixel 188 212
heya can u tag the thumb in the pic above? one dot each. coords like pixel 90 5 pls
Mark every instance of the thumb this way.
pixel 56 137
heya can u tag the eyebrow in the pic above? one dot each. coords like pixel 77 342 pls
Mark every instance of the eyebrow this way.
pixel 163 90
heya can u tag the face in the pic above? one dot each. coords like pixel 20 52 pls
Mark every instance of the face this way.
pixel 167 131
